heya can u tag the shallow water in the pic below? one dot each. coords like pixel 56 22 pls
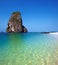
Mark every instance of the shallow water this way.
pixel 28 49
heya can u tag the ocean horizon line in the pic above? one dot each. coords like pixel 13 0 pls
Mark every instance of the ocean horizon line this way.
pixel 33 32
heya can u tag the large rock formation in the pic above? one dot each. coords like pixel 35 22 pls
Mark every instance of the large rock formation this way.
pixel 15 23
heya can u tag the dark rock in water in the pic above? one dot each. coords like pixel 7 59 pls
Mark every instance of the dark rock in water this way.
pixel 45 32
pixel 24 29
pixel 15 23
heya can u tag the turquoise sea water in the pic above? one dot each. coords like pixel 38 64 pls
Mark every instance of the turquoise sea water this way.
pixel 28 49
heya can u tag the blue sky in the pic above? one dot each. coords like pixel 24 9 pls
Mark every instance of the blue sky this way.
pixel 37 15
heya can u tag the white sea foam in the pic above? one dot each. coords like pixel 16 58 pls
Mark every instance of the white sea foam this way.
pixel 55 33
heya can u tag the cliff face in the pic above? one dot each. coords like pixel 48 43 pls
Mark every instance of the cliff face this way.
pixel 15 23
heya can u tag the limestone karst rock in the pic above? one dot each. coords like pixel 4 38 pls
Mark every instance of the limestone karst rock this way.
pixel 15 23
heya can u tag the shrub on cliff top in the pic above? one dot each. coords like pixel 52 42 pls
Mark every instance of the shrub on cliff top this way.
pixel 16 13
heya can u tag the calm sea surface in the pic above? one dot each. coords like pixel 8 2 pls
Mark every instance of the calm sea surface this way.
pixel 28 49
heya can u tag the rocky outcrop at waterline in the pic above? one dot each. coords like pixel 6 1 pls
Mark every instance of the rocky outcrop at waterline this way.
pixel 15 23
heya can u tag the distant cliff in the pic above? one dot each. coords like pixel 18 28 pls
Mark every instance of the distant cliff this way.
pixel 15 23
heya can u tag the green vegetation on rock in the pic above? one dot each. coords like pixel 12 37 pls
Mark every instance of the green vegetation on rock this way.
pixel 16 13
